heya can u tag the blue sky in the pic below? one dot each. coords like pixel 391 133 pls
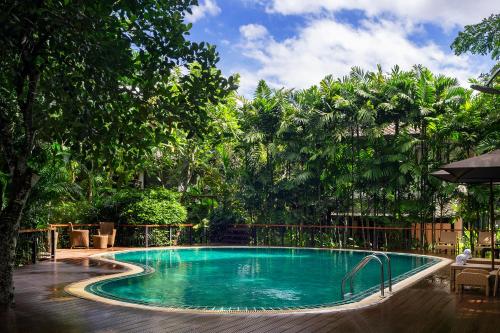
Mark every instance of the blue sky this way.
pixel 295 43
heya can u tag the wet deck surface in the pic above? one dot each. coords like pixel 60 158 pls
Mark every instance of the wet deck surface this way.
pixel 43 306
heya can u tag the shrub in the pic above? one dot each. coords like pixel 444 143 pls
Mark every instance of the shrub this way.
pixel 158 206
pixel 160 193
pixel 220 220
pixel 161 237
pixel 70 211
pixel 112 207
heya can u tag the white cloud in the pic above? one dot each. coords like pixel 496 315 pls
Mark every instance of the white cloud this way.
pixel 253 31
pixel 248 82
pixel 443 12
pixel 205 8
pixel 325 46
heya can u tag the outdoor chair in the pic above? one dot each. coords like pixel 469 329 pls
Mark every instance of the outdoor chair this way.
pixel 78 238
pixel 474 277
pixel 108 229
pixel 495 273
pixel 483 241
pixel 447 241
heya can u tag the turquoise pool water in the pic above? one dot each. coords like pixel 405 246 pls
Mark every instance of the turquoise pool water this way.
pixel 248 278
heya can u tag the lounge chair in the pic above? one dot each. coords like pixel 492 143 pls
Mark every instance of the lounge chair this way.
pixel 447 241
pixel 474 277
pixel 108 229
pixel 78 238
pixel 483 241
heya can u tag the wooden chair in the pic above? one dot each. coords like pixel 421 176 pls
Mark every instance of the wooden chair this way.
pixel 108 229
pixel 483 241
pixel 78 238
pixel 474 277
pixel 447 241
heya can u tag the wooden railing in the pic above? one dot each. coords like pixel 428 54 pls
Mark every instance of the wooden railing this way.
pixel 33 245
pixel 140 235
pixel 340 236
pixel 344 236
pixel 36 244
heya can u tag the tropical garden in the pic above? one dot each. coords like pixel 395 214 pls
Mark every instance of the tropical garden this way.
pixel 121 118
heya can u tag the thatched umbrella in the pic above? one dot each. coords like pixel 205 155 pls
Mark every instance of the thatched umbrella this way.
pixel 483 169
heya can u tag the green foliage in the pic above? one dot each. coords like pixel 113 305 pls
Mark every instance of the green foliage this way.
pixel 159 237
pixel 157 206
pixel 161 193
pixel 363 144
pixel 110 207
pixel 481 38
pixel 51 198
pixel 105 81
pixel 220 220
pixel 74 212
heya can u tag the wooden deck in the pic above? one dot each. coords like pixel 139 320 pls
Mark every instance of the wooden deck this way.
pixel 43 306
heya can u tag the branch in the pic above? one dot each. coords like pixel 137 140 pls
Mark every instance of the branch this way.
pixel 27 109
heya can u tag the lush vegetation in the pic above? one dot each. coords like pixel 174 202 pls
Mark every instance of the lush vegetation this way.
pixel 105 81
pixel 107 112
pixel 482 38
pixel 360 145
pixel 157 206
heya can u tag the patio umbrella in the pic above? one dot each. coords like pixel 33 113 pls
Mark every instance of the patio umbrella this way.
pixel 482 169
pixel 488 88
pixel 444 175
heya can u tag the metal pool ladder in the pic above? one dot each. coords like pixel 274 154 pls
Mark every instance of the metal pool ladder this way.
pixel 352 273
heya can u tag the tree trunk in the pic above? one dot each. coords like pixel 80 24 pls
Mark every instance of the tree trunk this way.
pixel 10 219
pixel 187 170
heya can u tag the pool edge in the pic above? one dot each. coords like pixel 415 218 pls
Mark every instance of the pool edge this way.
pixel 78 289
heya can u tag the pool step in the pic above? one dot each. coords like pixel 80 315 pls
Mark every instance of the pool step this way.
pixel 237 235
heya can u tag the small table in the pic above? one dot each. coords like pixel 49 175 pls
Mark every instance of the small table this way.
pixel 100 241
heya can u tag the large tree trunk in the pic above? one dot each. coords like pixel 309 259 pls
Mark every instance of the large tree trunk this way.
pixel 10 219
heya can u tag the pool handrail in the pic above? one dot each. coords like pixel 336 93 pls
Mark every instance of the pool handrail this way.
pixel 389 274
pixel 352 273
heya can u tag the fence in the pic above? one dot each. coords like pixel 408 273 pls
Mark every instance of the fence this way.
pixel 62 232
pixel 36 244
pixel 144 235
pixel 39 244
pixel 330 236
pixel 367 237
pixel 154 235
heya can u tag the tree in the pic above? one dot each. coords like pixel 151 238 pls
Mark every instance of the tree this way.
pixel 361 146
pixel 481 38
pixel 103 77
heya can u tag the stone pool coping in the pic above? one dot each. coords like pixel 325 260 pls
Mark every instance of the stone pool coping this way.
pixel 78 289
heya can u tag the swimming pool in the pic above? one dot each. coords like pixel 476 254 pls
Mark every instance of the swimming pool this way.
pixel 246 278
